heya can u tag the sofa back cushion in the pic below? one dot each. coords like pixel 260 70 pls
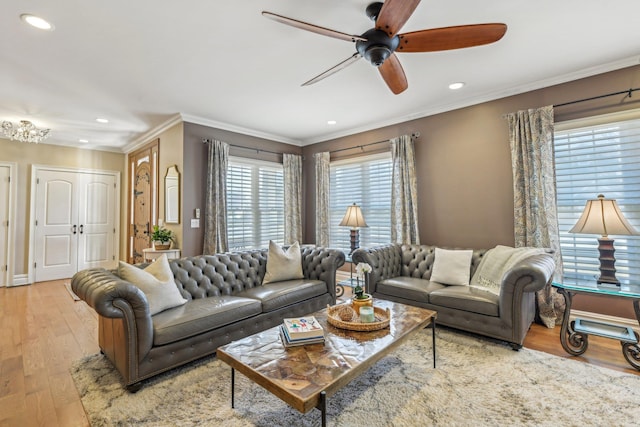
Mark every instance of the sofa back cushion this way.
pixel 417 261
pixel 219 274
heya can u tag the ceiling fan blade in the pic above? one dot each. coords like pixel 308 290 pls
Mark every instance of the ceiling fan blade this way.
pixel 447 38
pixel 313 28
pixel 393 74
pixel 394 14
pixel 333 70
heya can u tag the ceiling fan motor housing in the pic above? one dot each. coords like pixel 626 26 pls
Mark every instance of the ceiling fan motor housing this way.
pixel 378 47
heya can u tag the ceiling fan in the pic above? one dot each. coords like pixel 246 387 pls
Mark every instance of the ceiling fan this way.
pixel 380 44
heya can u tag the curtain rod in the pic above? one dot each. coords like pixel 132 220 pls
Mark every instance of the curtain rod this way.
pixel 413 135
pixel 258 150
pixel 628 92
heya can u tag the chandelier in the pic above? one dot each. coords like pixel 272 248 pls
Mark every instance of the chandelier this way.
pixel 24 132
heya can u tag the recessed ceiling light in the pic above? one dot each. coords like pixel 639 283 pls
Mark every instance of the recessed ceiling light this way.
pixel 331 122
pixel 84 141
pixel 456 86
pixel 36 21
pixel 99 120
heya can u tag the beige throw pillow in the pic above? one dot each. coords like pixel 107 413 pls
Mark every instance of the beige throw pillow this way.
pixel 283 265
pixel 452 267
pixel 157 283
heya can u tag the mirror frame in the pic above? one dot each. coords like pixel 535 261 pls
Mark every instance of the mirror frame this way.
pixel 169 196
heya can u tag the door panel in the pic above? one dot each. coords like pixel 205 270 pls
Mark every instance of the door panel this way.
pixel 5 173
pixel 96 221
pixel 56 245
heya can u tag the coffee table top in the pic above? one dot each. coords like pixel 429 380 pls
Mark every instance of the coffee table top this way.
pixel 297 375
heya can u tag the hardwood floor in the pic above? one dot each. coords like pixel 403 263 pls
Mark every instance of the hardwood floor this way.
pixel 42 331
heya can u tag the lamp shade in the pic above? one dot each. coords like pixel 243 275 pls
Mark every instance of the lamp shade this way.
pixel 603 216
pixel 353 217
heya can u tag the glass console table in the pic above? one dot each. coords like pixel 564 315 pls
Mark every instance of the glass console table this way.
pixel 574 335
pixel 350 282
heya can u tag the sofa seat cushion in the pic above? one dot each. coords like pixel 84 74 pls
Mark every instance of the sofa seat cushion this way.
pixel 466 298
pixel 276 295
pixel 409 288
pixel 201 315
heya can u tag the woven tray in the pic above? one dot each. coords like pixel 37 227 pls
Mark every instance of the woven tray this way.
pixel 336 314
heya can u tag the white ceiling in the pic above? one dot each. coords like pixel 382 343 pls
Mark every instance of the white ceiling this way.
pixel 142 63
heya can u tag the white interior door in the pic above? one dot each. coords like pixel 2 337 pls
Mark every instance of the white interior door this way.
pixel 5 205
pixel 56 225
pixel 96 216
pixel 75 222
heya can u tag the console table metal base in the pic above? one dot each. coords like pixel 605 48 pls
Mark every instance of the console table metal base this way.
pixel 575 341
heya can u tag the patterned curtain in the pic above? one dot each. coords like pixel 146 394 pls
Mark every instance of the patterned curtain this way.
pixel 292 167
pixel 322 198
pixel 215 220
pixel 534 187
pixel 404 192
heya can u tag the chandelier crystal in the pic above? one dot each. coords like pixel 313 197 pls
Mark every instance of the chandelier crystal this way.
pixel 24 132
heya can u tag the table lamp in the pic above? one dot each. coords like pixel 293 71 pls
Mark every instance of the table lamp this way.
pixel 354 219
pixel 603 216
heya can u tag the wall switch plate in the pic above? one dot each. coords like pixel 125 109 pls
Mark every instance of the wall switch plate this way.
pixel 197 213
pixel 195 223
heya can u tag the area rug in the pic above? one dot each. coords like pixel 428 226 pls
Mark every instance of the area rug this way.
pixel 477 382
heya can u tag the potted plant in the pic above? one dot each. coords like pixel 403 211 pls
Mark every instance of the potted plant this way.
pixel 161 238
pixel 361 297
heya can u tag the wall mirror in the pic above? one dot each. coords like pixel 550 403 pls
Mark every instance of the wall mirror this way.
pixel 172 195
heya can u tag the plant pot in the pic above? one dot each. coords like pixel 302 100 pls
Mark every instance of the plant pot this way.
pixel 161 246
pixel 357 303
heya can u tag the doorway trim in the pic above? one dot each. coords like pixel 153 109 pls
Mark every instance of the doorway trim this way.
pixel 11 227
pixel 32 210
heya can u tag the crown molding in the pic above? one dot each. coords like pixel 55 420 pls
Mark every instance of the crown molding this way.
pixel 239 129
pixel 151 134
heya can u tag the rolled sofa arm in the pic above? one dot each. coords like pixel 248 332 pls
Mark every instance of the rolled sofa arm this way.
pixel 385 262
pixel 112 297
pixel 529 275
pixel 321 264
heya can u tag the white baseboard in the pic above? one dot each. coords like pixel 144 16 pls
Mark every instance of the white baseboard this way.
pixel 20 279
pixel 587 315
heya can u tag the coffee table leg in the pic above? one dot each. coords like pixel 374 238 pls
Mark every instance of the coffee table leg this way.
pixel 323 407
pixel 433 326
pixel 233 384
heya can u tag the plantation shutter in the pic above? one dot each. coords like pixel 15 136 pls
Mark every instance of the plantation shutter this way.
pixel 255 204
pixel 366 181
pixel 601 158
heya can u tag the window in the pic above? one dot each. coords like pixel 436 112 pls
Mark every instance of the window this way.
pixel 255 203
pixel 591 159
pixel 367 182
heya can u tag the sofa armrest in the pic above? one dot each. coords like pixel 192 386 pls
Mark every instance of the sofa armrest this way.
pixel 321 264
pixel 529 275
pixel 385 262
pixel 115 298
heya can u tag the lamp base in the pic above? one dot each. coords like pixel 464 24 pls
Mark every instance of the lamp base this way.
pixel 355 240
pixel 607 262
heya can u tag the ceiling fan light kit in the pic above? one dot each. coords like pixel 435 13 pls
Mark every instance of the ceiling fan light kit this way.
pixel 380 44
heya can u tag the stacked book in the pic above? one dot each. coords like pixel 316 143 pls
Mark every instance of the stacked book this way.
pixel 301 331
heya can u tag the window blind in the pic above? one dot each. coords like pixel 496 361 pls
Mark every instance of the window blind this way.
pixel 592 160
pixel 366 181
pixel 255 204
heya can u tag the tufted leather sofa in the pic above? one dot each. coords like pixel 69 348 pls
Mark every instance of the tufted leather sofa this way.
pixel 226 301
pixel 402 273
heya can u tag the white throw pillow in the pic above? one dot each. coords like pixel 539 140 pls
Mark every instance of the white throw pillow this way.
pixel 283 265
pixel 452 267
pixel 157 283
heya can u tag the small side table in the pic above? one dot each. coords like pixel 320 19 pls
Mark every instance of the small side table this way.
pixel 150 254
pixel 350 282
pixel 574 335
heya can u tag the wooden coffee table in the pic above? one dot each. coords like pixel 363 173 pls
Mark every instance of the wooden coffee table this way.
pixel 305 376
